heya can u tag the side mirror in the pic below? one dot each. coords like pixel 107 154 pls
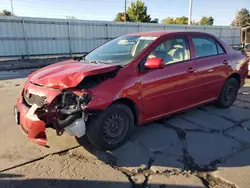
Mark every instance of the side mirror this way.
pixel 154 63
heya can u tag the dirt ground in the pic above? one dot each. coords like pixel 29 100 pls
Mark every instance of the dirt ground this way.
pixel 203 147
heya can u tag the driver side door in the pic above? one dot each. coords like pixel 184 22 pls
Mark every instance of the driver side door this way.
pixel 174 87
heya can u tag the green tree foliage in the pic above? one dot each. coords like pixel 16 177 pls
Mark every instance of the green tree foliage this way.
pixel 178 20
pixel 181 20
pixel 242 18
pixel 137 12
pixel 168 20
pixel 156 20
pixel 120 17
pixel 206 20
pixel 6 13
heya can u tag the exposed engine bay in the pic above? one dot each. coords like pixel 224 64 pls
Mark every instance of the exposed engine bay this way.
pixel 67 110
pixel 92 81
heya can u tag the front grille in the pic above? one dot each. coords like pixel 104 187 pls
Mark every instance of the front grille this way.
pixel 30 99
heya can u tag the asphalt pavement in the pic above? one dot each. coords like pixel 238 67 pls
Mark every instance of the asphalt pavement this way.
pixel 203 147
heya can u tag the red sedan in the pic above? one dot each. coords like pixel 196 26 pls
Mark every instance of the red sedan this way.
pixel 129 81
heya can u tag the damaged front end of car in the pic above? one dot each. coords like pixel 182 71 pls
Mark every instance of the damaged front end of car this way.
pixel 66 113
pixel 59 101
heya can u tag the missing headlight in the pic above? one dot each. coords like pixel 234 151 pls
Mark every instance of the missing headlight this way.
pixel 65 109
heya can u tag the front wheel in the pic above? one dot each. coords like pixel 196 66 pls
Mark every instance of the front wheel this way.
pixel 111 128
pixel 228 93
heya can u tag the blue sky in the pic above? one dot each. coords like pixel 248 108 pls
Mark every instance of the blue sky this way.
pixel 223 11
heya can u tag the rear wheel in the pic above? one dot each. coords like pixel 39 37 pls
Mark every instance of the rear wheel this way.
pixel 111 128
pixel 228 93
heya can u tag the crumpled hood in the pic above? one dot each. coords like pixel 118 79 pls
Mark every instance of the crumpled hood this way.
pixel 67 74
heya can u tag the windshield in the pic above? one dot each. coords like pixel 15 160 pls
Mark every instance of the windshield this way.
pixel 121 50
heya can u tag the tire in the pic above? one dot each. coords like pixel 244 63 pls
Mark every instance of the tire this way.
pixel 228 93
pixel 111 128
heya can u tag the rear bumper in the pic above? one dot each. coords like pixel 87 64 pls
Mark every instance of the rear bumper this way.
pixel 30 124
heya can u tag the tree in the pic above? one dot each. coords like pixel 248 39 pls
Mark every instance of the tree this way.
pixel 234 22
pixel 206 20
pixel 6 13
pixel 168 20
pixel 178 20
pixel 137 12
pixel 156 20
pixel 242 18
pixel 120 17
pixel 181 20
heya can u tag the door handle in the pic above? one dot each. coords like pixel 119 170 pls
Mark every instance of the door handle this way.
pixel 225 62
pixel 191 69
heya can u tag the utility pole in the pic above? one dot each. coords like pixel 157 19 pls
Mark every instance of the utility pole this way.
pixel 125 12
pixel 190 12
pixel 12 9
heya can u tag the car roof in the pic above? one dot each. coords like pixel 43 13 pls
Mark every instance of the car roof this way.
pixel 164 33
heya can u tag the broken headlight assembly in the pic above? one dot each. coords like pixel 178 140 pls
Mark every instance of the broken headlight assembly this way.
pixel 66 112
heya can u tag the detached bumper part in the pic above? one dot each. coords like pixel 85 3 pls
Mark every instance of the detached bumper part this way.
pixel 77 128
pixel 62 111
pixel 30 124
pixel 34 128
pixel 17 115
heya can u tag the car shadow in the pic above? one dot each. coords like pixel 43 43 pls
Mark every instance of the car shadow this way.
pixel 66 183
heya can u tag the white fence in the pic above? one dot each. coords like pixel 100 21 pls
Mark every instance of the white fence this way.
pixel 21 36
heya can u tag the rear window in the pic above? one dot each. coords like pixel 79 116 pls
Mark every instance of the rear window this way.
pixel 206 46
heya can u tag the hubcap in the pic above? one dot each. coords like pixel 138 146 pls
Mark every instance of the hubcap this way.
pixel 229 92
pixel 114 127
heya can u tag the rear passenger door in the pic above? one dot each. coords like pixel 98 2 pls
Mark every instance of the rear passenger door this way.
pixel 212 64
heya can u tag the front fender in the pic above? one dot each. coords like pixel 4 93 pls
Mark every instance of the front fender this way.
pixel 108 92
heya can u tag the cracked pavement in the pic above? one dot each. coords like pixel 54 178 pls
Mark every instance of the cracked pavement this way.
pixel 203 147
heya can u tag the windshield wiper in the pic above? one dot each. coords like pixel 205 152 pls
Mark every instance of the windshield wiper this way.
pixel 95 62
pixel 102 62
pixel 80 58
pixel 98 62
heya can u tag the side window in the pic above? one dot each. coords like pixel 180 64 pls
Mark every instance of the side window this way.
pixel 172 51
pixel 220 49
pixel 204 46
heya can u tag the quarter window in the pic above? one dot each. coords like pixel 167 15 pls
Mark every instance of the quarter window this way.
pixel 220 49
pixel 172 51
